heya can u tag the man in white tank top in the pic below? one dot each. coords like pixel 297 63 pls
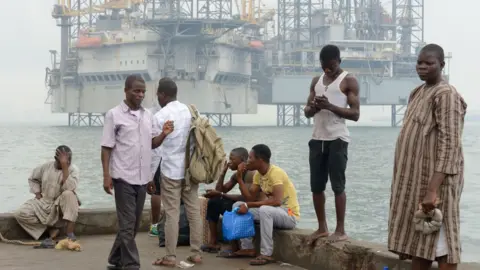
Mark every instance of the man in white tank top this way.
pixel 333 99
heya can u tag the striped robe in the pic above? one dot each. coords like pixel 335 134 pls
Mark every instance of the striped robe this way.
pixel 36 215
pixel 430 141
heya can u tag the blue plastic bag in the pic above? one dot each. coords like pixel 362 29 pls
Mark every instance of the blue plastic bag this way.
pixel 235 226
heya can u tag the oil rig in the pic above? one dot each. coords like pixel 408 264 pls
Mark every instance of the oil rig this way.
pixel 228 56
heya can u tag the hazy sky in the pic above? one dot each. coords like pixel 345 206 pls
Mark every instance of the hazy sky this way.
pixel 29 32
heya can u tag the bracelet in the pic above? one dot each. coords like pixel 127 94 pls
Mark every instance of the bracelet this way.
pixel 246 205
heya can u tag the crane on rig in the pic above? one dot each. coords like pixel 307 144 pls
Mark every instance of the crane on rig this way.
pixel 254 14
pixel 65 8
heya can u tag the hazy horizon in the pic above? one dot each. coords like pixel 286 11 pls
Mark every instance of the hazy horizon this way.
pixel 24 60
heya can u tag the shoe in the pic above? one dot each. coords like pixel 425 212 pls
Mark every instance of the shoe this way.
pixel 153 230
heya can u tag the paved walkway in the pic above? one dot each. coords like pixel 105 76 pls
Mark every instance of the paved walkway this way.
pixel 95 253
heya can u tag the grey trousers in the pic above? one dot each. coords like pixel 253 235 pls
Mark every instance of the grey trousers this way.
pixel 270 217
pixel 129 201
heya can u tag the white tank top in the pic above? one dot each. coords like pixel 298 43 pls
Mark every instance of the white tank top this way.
pixel 327 125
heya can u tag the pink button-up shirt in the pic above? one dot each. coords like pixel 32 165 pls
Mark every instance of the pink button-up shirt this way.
pixel 129 134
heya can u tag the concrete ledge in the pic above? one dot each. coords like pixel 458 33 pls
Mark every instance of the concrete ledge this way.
pixel 289 245
pixel 348 255
pixel 90 222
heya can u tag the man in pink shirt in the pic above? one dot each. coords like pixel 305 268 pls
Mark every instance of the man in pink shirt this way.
pixel 126 156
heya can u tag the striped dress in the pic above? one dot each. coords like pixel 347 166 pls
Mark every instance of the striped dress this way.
pixel 430 141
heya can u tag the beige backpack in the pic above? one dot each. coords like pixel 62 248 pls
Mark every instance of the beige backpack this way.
pixel 206 162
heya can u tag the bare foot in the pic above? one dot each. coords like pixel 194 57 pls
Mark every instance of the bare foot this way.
pixel 311 239
pixel 337 237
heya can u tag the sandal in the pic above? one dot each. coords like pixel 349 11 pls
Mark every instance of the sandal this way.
pixel 225 253
pixel 165 261
pixel 209 249
pixel 262 260
pixel 232 254
pixel 194 259
pixel 46 244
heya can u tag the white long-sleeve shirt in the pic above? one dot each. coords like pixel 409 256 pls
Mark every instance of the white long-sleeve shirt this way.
pixel 156 158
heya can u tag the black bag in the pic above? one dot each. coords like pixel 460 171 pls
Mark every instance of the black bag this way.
pixel 183 229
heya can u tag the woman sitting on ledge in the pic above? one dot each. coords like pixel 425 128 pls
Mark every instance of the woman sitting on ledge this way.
pixel 53 184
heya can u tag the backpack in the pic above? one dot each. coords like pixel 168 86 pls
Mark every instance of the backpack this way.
pixel 205 164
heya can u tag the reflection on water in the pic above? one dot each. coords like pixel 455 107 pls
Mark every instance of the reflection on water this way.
pixel 368 176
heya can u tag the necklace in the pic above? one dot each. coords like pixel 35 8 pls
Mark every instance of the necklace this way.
pixel 333 80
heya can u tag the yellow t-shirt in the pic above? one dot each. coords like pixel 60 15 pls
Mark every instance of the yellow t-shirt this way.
pixel 277 176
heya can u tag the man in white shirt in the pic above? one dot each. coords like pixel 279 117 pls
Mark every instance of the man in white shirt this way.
pixel 153 187
pixel 172 168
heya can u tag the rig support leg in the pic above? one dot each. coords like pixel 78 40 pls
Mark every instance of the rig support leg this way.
pixel 220 119
pixel 291 115
pixel 85 119
pixel 397 114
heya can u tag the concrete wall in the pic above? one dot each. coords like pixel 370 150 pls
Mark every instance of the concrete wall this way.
pixel 289 247
pixel 90 222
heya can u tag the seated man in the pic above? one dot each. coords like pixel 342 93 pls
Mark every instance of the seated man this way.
pixel 53 184
pixel 219 201
pixel 280 209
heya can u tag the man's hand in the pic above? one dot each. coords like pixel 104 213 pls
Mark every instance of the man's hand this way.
pixel 168 127
pixel 242 167
pixel 226 166
pixel 212 193
pixel 429 201
pixel 322 103
pixel 151 187
pixel 242 209
pixel 312 106
pixel 63 158
pixel 38 195
pixel 107 184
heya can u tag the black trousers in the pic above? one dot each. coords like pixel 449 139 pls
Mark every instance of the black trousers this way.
pixel 328 158
pixel 129 201
pixel 156 179
pixel 218 206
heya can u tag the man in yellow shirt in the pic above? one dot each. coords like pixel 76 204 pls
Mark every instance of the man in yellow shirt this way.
pixel 280 209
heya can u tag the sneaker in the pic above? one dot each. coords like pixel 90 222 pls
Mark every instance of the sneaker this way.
pixel 153 230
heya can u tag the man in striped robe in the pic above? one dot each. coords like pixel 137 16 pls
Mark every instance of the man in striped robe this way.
pixel 429 167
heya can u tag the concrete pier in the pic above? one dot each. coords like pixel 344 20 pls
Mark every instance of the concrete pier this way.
pixel 95 253
pixel 96 228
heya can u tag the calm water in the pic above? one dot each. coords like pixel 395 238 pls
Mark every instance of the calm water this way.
pixel 368 176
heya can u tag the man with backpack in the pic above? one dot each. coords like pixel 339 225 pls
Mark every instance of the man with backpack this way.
pixel 190 155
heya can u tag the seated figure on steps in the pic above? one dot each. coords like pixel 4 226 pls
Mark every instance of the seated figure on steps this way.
pixel 279 210
pixel 220 200
pixel 55 203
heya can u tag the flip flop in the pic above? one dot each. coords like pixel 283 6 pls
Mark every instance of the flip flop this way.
pixel 224 253
pixel 262 260
pixel 164 262
pixel 209 249
pixel 46 244
pixel 230 254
